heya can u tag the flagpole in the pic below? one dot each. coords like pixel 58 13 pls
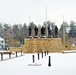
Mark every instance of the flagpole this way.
pixel 29 20
pixel 46 24
pixel 63 31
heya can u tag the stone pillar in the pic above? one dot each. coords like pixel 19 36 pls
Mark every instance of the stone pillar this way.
pixel 46 30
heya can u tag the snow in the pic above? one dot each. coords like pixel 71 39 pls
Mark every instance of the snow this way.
pixel 61 64
pixel 69 51
pixel 1 39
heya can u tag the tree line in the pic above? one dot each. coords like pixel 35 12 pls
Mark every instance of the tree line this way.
pixel 14 35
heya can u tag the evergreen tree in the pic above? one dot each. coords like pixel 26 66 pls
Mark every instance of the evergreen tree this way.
pixel 72 32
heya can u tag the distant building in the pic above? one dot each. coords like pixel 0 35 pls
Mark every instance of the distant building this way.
pixel 2 44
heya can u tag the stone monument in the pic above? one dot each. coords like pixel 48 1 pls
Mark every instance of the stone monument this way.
pixel 29 31
pixel 36 32
pixel 56 32
pixel 43 32
pixel 49 32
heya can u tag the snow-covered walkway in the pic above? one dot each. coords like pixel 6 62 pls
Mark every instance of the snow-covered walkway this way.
pixel 61 64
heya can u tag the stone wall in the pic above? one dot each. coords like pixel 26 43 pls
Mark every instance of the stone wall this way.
pixel 14 49
pixel 41 44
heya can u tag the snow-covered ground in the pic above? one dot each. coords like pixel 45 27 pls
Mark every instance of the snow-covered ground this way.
pixel 61 64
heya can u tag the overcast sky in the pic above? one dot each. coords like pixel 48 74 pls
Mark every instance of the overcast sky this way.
pixel 18 11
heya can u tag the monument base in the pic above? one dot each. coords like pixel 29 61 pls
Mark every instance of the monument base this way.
pixel 29 37
pixel 36 37
pixel 38 45
pixel 43 44
pixel 49 37
pixel 43 37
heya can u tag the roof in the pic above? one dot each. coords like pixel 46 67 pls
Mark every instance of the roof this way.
pixel 1 39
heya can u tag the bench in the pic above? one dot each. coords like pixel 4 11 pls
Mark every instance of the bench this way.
pixel 6 52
